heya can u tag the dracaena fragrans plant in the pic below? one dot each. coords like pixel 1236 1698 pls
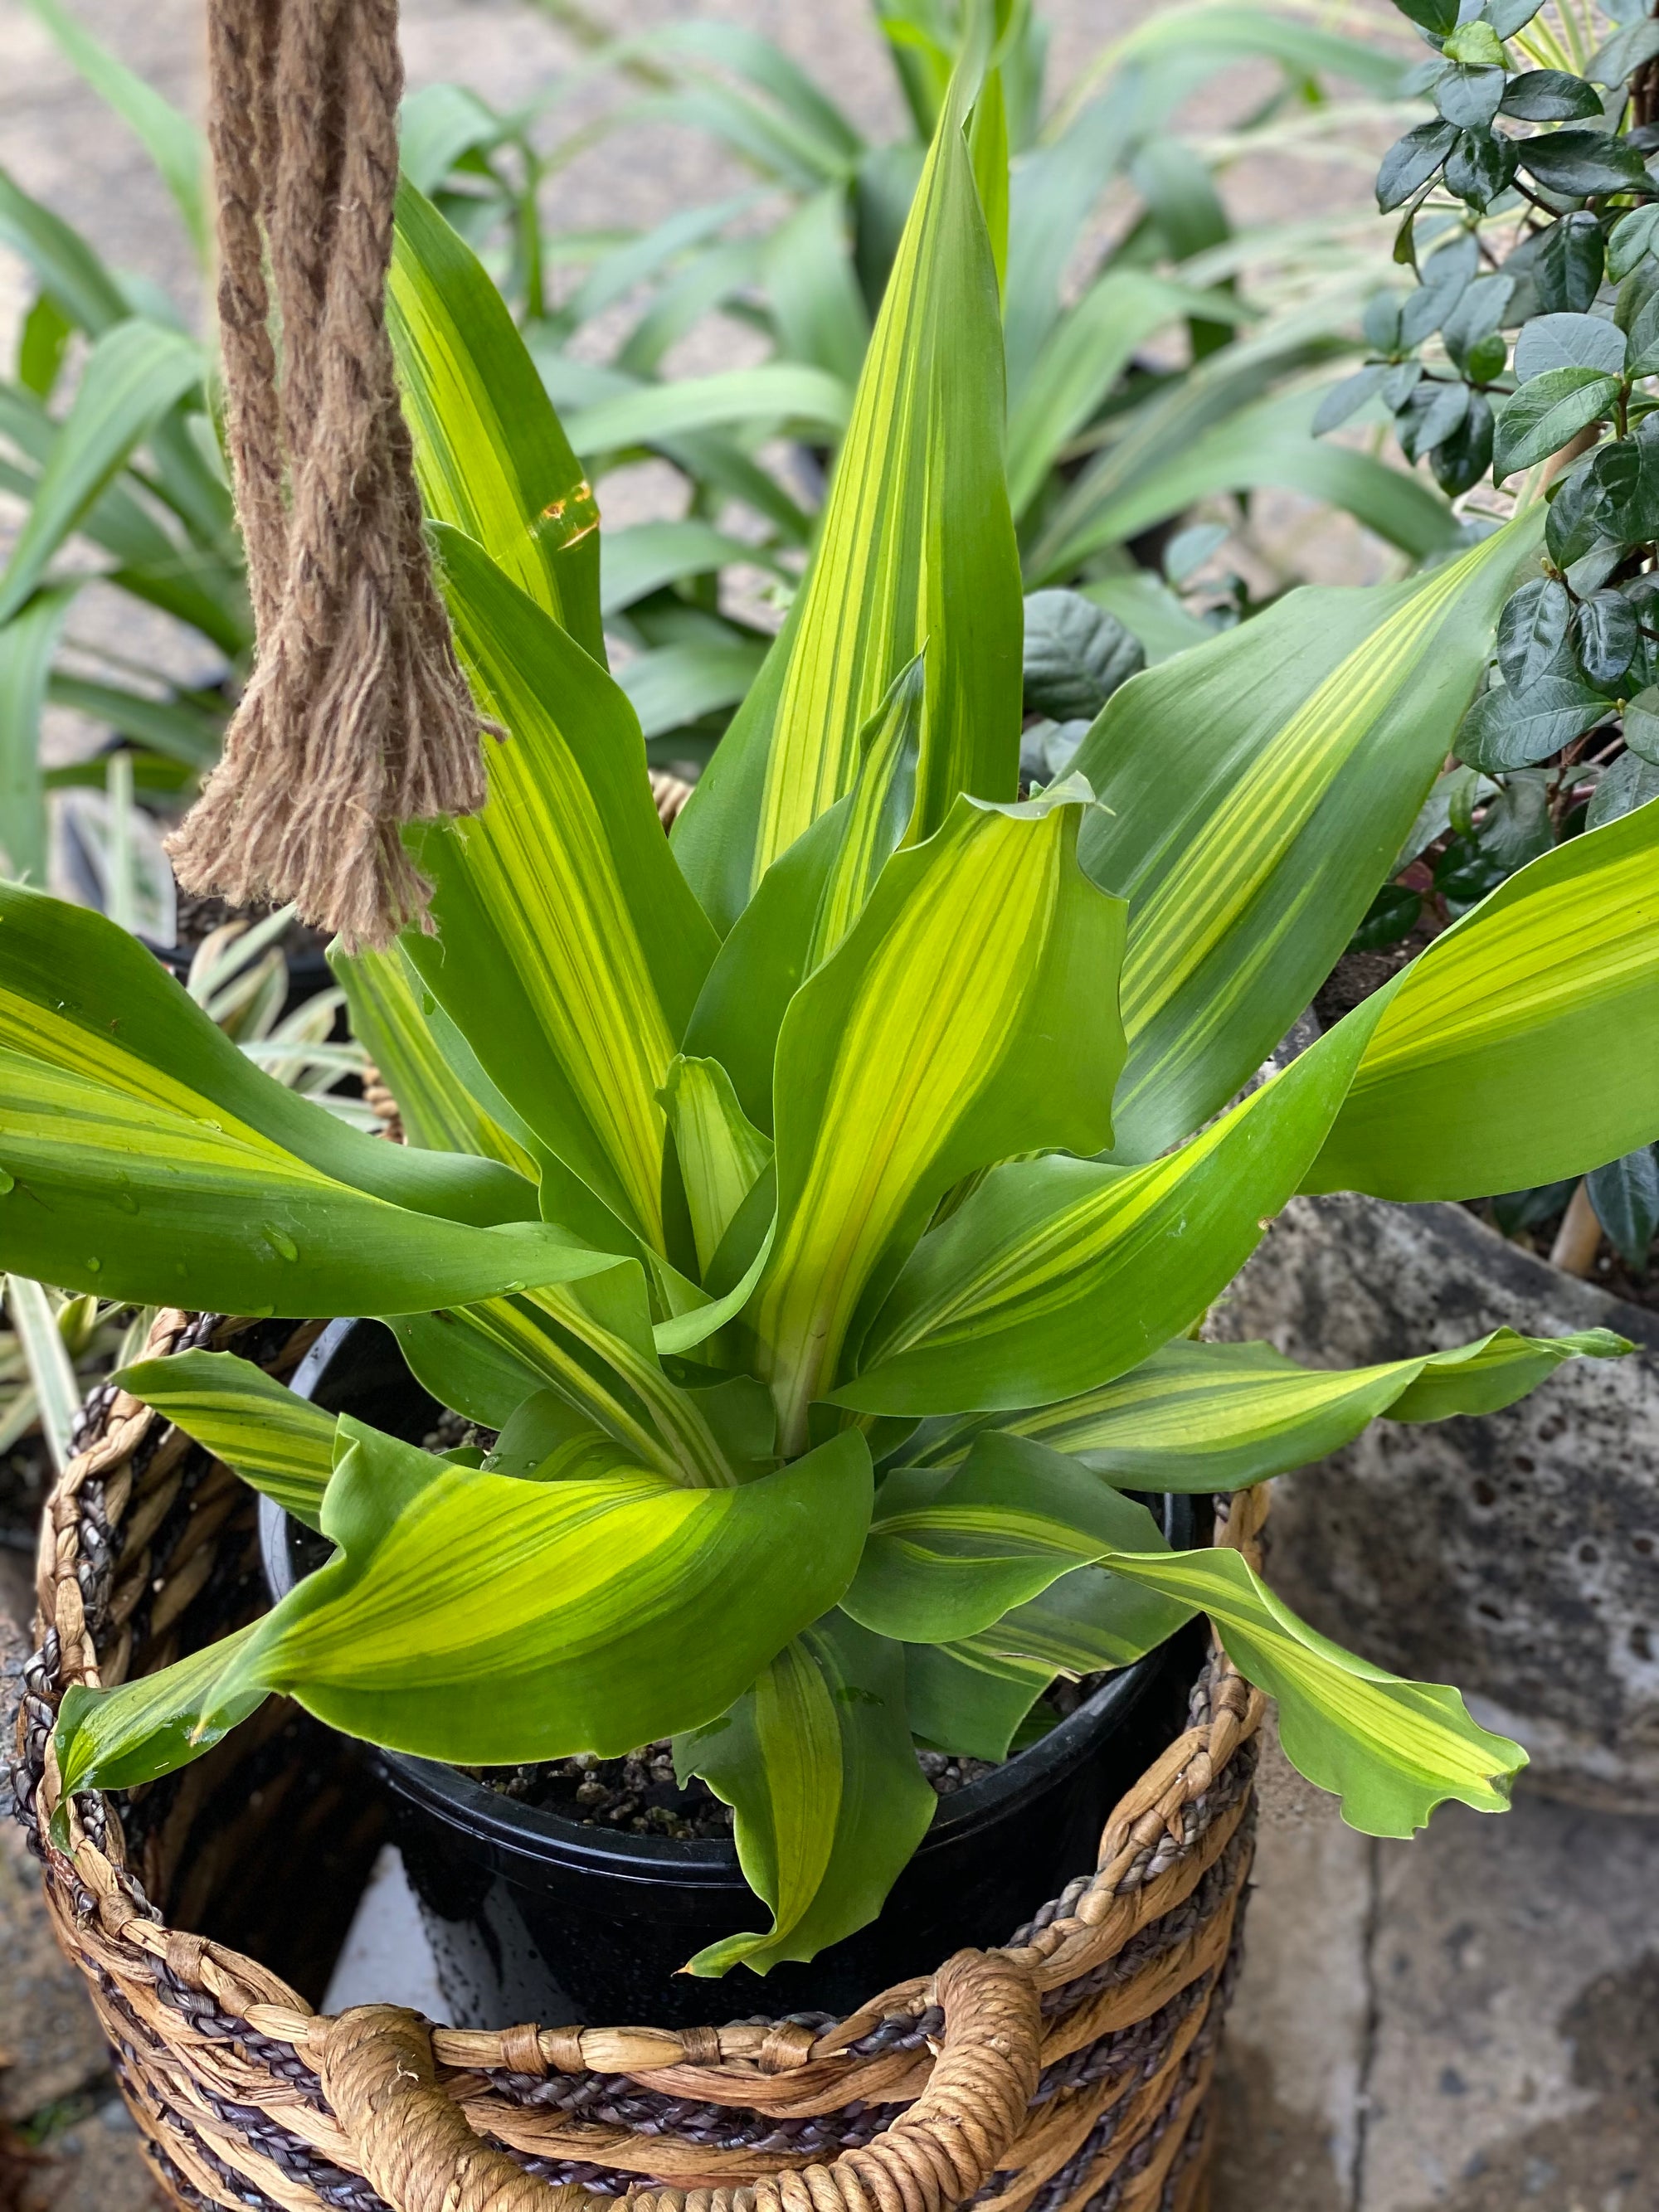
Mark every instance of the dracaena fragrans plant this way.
pixel 823 1209
pixel 1531 224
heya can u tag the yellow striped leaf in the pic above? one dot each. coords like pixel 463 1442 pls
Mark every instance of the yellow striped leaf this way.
pixel 1217 1417
pixel 916 534
pixel 280 1444
pixel 929 1045
pixel 1254 794
pixel 469 1616
pixel 817 1762
pixel 490 453
pixel 568 950
pixel 721 1154
pixel 1523 1046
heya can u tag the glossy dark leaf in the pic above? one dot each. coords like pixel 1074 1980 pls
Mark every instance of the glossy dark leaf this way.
pixel 1546 414
pixel 1478 314
pixel 1446 275
pixel 1630 240
pixel 1531 630
pixel 1486 358
pixel 1508 16
pixel 1480 166
pixel 1076 656
pixel 1518 827
pixel 1506 729
pixel 1436 412
pixel 1470 97
pixel 1569 341
pixel 1549 96
pixel 1439 16
pixel 1642 726
pixel 1465 875
pixel 1391 915
pixel 1412 161
pixel 1604 636
pixel 1588 574
pixel 1624 52
pixel 1630 782
pixel 1464 458
pixel 1578 516
pixel 1566 268
pixel 1580 162
pixel 1379 319
pixel 1347 397
pixel 1625 1196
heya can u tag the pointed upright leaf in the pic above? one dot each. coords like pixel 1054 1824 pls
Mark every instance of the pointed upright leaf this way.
pixel 720 1152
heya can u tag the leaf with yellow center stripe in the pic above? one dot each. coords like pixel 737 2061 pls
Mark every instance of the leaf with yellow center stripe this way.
pixel 281 1444
pixel 916 535
pixel 1216 1416
pixel 969 1014
pixel 1254 794
pixel 470 1616
pixel 1522 1046
pixel 490 453
pixel 569 950
pixel 1017 1517
pixel 106 1193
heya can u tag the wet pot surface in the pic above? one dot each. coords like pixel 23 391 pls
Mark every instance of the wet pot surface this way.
pixel 534 1917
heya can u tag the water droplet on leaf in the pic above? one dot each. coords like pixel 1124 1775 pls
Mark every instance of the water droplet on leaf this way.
pixel 96 1266
pixel 7 1182
pixel 279 1241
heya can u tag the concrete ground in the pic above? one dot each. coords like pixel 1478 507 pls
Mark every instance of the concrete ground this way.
pixel 1468 2022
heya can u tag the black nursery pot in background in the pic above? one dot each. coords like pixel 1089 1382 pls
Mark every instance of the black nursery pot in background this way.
pixel 534 1917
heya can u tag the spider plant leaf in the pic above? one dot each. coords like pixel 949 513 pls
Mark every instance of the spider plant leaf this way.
pixel 817 1762
pixel 471 1616
pixel 391 1011
pixel 808 901
pixel 1055 1275
pixel 1270 444
pixel 1259 789
pixel 569 951
pixel 916 523
pixel 170 138
pixel 926 1050
pixel 132 375
pixel 1082 358
pixel 1216 1416
pixel 79 994
pixel 809 401
pixel 281 1445
pixel 812 290
pixel 1522 1047
pixel 491 455
pixel 28 643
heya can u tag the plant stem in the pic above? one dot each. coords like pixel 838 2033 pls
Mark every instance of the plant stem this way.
pixel 1578 1239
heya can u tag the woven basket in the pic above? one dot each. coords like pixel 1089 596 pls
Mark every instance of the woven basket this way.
pixel 1070 2069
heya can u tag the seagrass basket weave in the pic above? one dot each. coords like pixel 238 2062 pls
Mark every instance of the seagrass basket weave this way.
pixel 1068 2070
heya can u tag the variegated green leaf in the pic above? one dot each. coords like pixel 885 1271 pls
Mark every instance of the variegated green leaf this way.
pixel 391 1017
pixel 1523 1046
pixel 721 1154
pixel 27 644
pixel 84 997
pixel 817 1761
pixel 469 1616
pixel 1217 1417
pixel 916 527
pixel 950 1552
pixel 1259 789
pixel 489 452
pixel 568 951
pixel 926 1048
pixel 1055 1275
pixel 105 1192
pixel 807 901
pixel 282 1444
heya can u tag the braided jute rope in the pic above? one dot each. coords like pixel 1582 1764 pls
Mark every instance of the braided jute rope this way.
pixel 1068 2070
pixel 357 718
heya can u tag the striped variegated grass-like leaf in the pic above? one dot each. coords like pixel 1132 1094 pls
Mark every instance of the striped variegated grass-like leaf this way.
pixel 916 527
pixel 1259 792
pixel 721 1154
pixel 490 453
pixel 468 1615
pixel 569 951
pixel 281 1444
pixel 1216 1416
pixel 925 1049
pixel 1522 1046
pixel 817 1762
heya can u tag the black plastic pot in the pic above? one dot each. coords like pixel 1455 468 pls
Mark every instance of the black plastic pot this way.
pixel 534 1916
